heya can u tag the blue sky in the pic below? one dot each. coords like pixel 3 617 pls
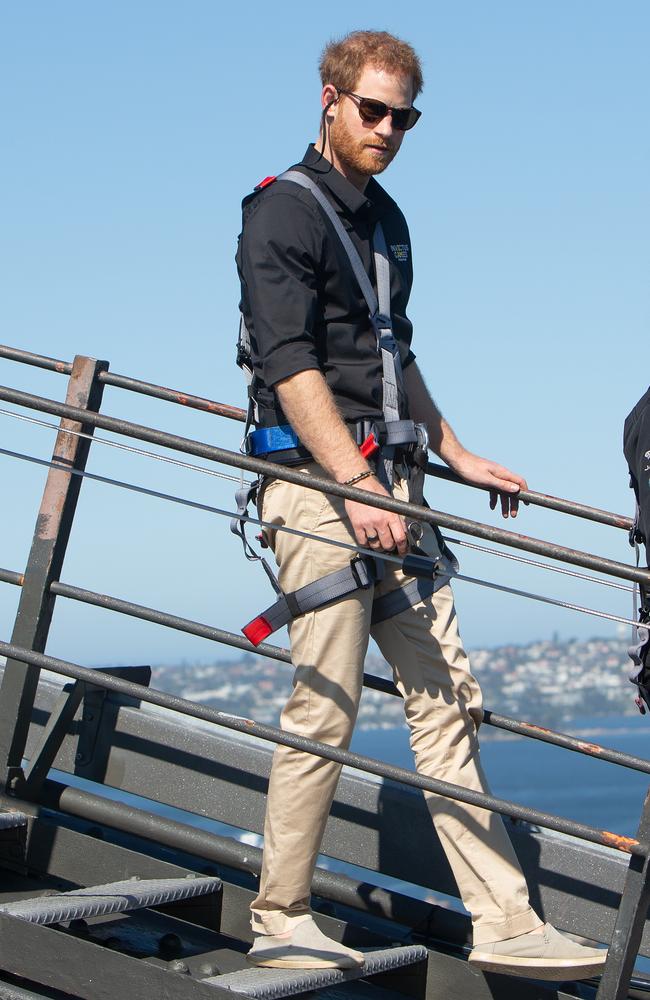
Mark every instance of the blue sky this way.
pixel 131 133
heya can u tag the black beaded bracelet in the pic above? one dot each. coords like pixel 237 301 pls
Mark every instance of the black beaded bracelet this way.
pixel 357 479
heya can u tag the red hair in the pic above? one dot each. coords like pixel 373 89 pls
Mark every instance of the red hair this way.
pixel 342 62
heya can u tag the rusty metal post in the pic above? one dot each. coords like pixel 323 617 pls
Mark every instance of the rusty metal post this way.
pixel 630 920
pixel 44 565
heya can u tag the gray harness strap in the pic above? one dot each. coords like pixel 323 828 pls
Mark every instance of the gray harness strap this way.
pixel 382 323
pixel 392 381
pixel 360 574
pixel 243 498
pixel 380 316
pixel 404 597
pixel 355 260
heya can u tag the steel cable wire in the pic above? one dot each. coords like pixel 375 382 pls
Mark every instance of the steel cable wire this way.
pixel 322 483
pixel 241 482
pixel 143 452
pixel 231 412
pixel 539 565
pixel 385 556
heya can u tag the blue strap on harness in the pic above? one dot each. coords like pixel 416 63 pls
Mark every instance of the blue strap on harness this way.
pixel 268 439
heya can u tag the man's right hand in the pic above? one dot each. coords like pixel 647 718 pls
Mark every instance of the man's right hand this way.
pixel 374 528
pixel 310 408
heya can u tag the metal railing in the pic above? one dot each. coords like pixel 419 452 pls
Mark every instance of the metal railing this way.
pixel 259 466
pixel 40 585
pixel 238 414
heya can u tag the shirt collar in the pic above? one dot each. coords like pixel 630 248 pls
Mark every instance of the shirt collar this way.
pixel 371 204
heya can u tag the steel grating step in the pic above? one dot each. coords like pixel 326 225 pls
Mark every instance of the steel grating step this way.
pixel 12 820
pixel 271 984
pixel 116 897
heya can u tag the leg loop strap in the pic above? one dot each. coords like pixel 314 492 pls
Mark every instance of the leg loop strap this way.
pixel 360 574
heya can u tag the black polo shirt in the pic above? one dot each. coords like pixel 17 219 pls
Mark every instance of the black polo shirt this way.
pixel 299 297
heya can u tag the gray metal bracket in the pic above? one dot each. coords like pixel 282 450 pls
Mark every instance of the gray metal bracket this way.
pixel 98 721
pixel 51 739
pixel 90 727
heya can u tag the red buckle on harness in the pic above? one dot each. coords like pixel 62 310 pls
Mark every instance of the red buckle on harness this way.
pixel 370 446
pixel 265 183
pixel 257 630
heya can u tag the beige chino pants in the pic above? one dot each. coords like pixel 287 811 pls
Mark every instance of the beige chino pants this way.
pixel 442 702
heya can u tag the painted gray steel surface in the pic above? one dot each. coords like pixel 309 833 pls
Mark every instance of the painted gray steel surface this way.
pixel 271 984
pixel 100 900
pixel 376 825
pixel 12 820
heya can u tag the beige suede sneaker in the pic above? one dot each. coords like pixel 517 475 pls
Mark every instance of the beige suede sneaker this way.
pixel 303 947
pixel 540 954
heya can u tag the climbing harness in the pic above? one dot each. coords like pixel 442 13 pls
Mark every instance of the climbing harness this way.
pixel 398 446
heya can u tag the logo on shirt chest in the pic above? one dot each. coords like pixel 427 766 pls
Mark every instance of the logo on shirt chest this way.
pixel 400 252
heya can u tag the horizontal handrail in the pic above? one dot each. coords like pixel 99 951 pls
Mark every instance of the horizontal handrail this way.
pixel 237 413
pixel 411 564
pixel 291 475
pixel 543 500
pixel 526 814
pixel 176 622
pixel 370 681
pixel 209 471
pixel 35 360
pixel 566 741
pixel 173 395
pixel 126 382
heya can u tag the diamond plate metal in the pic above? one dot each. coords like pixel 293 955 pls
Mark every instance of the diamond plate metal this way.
pixel 271 984
pixel 116 897
pixel 11 820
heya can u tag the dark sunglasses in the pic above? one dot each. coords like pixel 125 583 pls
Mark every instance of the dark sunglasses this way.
pixel 372 112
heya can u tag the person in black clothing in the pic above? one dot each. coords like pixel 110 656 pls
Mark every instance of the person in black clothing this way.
pixel 318 369
pixel 636 447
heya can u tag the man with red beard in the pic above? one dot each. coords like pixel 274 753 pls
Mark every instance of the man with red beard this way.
pixel 320 381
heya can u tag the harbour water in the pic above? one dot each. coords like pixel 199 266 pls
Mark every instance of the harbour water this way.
pixel 552 779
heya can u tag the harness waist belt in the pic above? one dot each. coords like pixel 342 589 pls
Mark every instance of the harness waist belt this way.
pixel 391 433
pixel 268 439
